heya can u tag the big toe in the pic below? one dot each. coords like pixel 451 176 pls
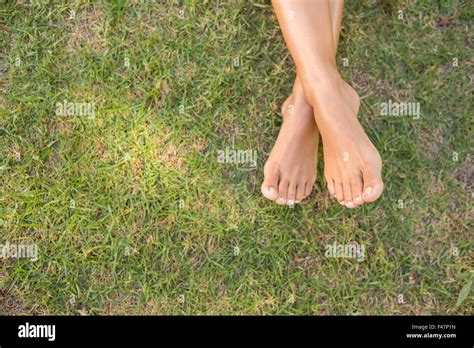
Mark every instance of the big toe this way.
pixel 373 188
pixel 269 186
pixel 269 191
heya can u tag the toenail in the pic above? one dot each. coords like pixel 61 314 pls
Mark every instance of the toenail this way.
pixel 350 204
pixel 358 199
pixel 368 191
pixel 341 202
pixel 270 190
pixel 281 200
pixel 291 202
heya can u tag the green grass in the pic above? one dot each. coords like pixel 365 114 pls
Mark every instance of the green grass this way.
pixel 101 196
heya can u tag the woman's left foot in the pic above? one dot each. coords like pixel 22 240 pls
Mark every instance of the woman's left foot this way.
pixel 290 171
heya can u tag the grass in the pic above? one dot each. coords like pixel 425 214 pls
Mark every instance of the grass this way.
pixel 131 211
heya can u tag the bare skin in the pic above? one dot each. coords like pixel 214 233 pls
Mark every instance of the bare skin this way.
pixel 290 171
pixel 352 165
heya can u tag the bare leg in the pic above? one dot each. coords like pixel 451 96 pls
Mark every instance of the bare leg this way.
pixel 290 170
pixel 352 164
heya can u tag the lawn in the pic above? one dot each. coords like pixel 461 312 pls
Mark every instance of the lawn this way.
pixel 130 209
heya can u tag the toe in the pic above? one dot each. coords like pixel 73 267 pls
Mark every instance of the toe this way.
pixel 308 187
pixel 269 191
pixel 282 191
pixel 300 194
pixel 291 193
pixel 356 189
pixel 339 191
pixel 270 184
pixel 348 194
pixel 373 187
pixel 331 188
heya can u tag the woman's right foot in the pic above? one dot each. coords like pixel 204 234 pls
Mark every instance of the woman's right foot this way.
pixel 352 164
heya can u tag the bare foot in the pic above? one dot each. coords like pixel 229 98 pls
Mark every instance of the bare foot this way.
pixel 290 171
pixel 352 164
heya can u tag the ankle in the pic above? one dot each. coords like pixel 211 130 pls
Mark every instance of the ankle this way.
pixel 298 93
pixel 317 85
pixel 321 88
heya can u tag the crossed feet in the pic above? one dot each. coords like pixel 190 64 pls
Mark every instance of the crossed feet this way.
pixel 352 165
